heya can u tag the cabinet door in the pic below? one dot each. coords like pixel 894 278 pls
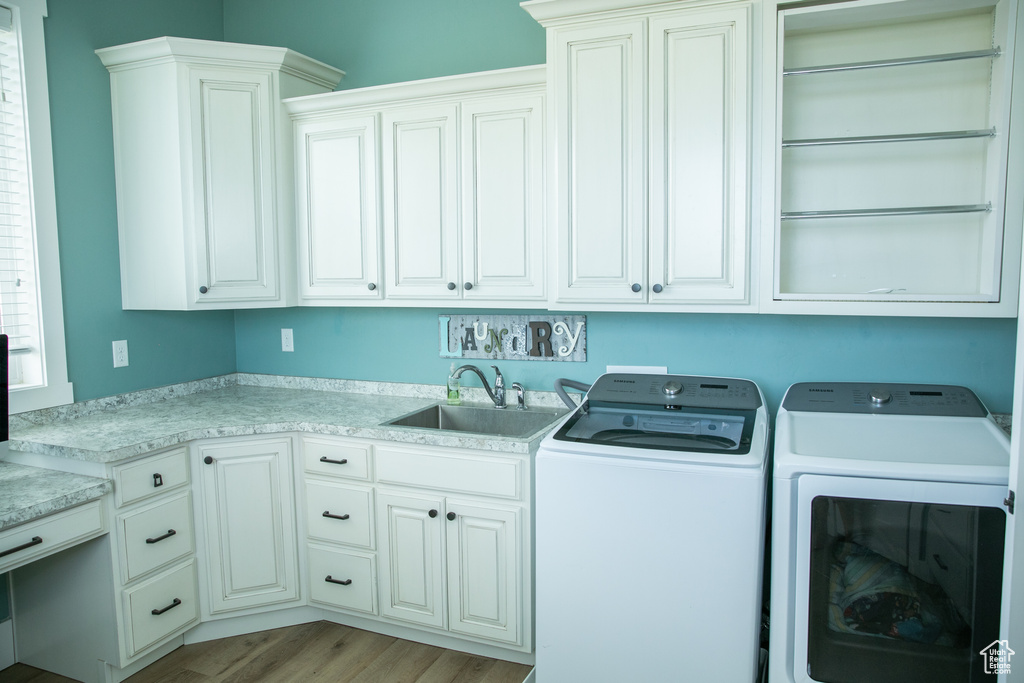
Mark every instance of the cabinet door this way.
pixel 484 571
pixel 411 546
pixel 502 198
pixel 699 140
pixel 249 514
pixel 599 75
pixel 420 202
pixel 232 145
pixel 339 232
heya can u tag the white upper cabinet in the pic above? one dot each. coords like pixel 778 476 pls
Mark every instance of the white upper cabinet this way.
pixel 897 191
pixel 421 221
pixel 458 217
pixel 652 131
pixel 203 162
pixel 337 173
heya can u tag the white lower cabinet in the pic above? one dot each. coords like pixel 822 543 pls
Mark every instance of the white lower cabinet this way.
pixel 116 603
pixel 424 542
pixel 157 608
pixel 451 564
pixel 248 521
pixel 422 536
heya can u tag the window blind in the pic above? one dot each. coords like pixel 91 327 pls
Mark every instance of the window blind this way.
pixel 18 296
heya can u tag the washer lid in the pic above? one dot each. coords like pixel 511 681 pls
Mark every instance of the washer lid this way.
pixel 633 426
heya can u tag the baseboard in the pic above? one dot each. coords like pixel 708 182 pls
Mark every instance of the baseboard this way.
pixel 251 623
pixel 7 644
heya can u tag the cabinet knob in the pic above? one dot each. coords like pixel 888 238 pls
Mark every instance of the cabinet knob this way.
pixel 208 460
pixel 204 289
pixel 451 285
pixel 636 287
pixel 657 289
pixel 432 513
pixel 468 285
pixel 371 286
pixel 451 516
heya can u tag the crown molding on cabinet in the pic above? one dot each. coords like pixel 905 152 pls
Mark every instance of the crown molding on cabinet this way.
pixel 217 53
pixel 478 83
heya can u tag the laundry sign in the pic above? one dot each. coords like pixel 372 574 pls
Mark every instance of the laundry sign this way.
pixel 514 337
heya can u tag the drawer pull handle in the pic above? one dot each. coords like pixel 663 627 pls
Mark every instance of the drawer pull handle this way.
pixel 327 513
pixel 938 560
pixel 157 480
pixel 340 583
pixel 343 461
pixel 36 540
pixel 173 604
pixel 170 532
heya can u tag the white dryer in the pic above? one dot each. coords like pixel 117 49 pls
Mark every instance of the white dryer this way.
pixel 887 534
pixel 650 526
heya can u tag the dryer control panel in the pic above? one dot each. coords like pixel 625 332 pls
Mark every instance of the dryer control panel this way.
pixel 884 399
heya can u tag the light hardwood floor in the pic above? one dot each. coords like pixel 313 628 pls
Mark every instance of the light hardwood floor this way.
pixel 319 651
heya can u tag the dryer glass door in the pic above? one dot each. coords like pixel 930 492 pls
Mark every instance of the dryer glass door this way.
pixel 902 585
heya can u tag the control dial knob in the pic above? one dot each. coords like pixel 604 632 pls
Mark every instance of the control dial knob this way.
pixel 672 388
pixel 880 396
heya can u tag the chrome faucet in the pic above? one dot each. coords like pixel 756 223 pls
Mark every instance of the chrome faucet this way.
pixel 498 395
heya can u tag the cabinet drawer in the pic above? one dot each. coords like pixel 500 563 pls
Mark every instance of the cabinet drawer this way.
pixel 339 514
pixel 150 476
pixel 27 542
pixel 337 457
pixel 484 475
pixel 160 607
pixel 342 579
pixel 156 535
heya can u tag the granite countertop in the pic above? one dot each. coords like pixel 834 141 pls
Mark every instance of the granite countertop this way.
pixel 123 427
pixel 27 493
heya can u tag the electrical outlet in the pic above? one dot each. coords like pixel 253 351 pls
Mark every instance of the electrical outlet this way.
pixel 287 343
pixel 121 353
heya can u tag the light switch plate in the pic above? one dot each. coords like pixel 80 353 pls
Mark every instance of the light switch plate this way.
pixel 287 341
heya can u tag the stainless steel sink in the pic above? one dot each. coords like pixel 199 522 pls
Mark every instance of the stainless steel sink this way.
pixel 480 419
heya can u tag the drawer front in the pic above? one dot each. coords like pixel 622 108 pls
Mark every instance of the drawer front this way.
pixel 151 476
pixel 27 542
pixel 339 514
pixel 342 579
pixel 156 535
pixel 484 475
pixel 160 607
pixel 336 457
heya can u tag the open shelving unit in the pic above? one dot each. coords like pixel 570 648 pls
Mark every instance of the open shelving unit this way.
pixel 891 151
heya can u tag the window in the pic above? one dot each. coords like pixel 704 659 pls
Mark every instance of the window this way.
pixel 31 312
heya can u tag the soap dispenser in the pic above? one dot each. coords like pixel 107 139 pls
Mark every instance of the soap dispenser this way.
pixel 454 394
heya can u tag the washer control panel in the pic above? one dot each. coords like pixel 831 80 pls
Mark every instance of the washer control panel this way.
pixel 673 392
pixel 884 399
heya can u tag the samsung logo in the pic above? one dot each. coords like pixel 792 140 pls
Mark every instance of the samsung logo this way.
pixel 823 391
pixel 625 381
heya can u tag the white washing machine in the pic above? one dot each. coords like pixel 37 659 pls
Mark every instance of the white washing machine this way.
pixel 887 534
pixel 650 526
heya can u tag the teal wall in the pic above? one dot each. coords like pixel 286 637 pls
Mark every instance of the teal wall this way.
pixel 163 348
pixel 380 42
pixel 397 40
pixel 387 41
pixel 402 345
